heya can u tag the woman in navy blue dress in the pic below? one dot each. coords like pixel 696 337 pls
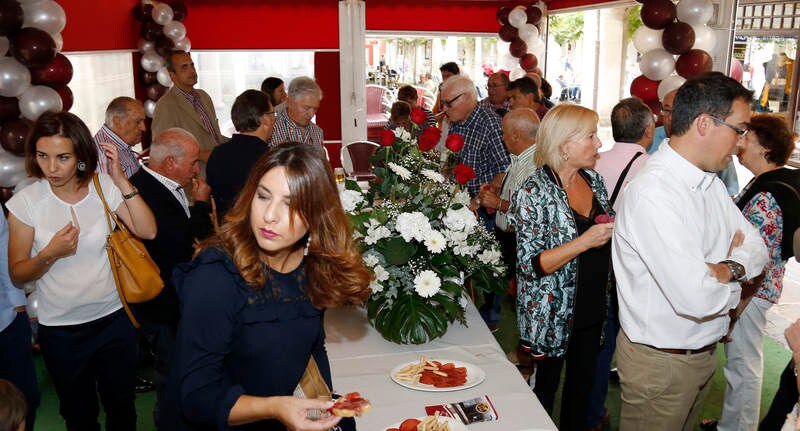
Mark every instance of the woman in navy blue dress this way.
pixel 252 300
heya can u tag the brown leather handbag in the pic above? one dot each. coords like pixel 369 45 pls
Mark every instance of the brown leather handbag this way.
pixel 136 275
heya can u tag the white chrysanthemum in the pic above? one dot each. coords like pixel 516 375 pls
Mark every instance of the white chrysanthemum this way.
pixel 380 273
pixel 461 197
pixel 465 250
pixel 400 171
pixel 456 238
pixel 375 232
pixel 461 219
pixel 427 283
pixel 375 286
pixel 435 242
pixel 370 260
pixel 350 199
pixel 413 226
pixel 490 257
pixel 433 176
pixel 402 134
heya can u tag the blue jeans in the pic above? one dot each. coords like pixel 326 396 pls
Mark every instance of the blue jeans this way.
pixel 16 363
pixel 597 397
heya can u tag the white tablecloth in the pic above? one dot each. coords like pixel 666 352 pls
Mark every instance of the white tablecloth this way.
pixel 361 361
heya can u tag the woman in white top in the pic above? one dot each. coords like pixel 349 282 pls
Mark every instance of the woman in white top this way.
pixel 57 240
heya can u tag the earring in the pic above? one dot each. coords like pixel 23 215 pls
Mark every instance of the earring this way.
pixel 308 245
pixel 81 166
pixel 564 156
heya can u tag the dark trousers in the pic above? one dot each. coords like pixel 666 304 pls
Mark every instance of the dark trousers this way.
pixel 161 338
pixel 16 363
pixel 784 401
pixel 97 356
pixel 581 359
pixel 597 401
pixel 492 302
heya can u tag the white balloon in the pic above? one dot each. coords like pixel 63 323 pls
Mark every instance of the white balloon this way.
pixel 516 73
pixel 175 30
pixel 183 45
pixel 149 108
pixel 37 100
pixel 151 61
pixel 517 17
pixel 704 38
pixel 528 32
pixel 163 77
pixel 668 84
pixel 695 12
pixel 58 40
pixel 12 169
pixel 162 13
pixel 24 183
pixel 46 15
pixel 646 39
pixel 4 44
pixel 145 45
pixel 507 61
pixel 657 64
pixel 15 78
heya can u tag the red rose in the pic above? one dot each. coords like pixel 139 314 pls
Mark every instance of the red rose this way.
pixel 433 132
pixel 427 142
pixel 454 143
pixel 387 138
pixel 463 173
pixel 418 116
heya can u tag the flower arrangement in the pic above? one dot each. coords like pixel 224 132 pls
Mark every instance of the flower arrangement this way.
pixel 419 238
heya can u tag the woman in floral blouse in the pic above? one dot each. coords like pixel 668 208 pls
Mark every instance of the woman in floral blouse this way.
pixel 772 204
pixel 561 218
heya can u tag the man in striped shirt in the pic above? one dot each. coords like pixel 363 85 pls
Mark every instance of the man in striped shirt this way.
pixel 294 124
pixel 123 128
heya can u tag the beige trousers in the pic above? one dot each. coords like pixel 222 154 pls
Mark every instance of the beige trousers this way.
pixel 661 391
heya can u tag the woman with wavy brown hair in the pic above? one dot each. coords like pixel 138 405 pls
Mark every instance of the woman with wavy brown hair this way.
pixel 252 300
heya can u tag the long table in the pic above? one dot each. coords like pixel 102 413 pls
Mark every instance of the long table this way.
pixel 361 361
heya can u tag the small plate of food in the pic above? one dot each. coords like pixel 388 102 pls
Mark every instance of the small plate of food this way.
pixel 428 423
pixel 437 375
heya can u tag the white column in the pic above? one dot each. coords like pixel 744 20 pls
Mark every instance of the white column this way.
pixel 352 64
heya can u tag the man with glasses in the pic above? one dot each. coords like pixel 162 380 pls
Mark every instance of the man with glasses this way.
pixel 229 164
pixel 497 98
pixel 680 249
pixel 294 124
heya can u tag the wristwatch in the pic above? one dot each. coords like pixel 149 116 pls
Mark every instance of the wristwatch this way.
pixel 736 268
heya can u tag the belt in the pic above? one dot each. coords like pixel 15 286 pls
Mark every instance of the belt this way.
pixel 705 349
pixel 20 309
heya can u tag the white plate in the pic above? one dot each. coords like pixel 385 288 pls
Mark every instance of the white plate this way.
pixel 455 424
pixel 475 376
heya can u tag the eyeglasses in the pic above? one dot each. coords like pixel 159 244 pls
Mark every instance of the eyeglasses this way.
pixel 739 131
pixel 666 111
pixel 449 103
pixel 271 113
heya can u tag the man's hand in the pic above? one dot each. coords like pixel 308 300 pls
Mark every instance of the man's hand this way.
pixel 200 190
pixel 488 196
pixel 720 271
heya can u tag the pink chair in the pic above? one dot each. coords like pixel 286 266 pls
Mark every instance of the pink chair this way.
pixel 377 110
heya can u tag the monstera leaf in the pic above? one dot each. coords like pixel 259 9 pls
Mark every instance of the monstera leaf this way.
pixel 411 319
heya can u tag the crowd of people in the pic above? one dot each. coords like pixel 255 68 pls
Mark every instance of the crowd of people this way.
pixel 630 252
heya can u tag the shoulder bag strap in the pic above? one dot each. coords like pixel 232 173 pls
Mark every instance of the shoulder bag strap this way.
pixel 621 179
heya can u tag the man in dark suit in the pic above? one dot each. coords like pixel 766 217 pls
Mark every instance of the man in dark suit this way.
pixel 173 166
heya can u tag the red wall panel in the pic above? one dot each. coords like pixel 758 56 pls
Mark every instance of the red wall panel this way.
pixel 416 15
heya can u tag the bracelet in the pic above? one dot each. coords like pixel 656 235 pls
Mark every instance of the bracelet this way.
pixel 43 261
pixel 131 194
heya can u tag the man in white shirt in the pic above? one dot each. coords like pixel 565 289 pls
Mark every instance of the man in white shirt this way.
pixel 680 247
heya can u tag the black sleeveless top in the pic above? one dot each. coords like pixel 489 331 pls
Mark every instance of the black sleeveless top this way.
pixel 592 275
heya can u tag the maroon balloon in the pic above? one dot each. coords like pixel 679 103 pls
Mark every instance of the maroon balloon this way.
pixel 678 38
pixel 534 14
pixel 537 71
pixel 67 99
pixel 657 14
pixel 11 17
pixel 693 63
pixel 6 193
pixel 9 109
pixel 508 33
pixel 56 73
pixel 644 88
pixel 143 12
pixel 13 135
pixel 148 78
pixel 518 47
pixel 155 91
pixel 164 45
pixel 502 15
pixel 33 47
pixel 151 30
pixel 179 11
pixel 528 62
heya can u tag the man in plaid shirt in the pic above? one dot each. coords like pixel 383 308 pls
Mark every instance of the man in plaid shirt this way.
pixel 294 124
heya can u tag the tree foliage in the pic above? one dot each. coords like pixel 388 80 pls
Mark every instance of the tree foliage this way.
pixel 567 27
pixel 634 19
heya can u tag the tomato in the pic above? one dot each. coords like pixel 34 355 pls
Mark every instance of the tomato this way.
pixel 409 425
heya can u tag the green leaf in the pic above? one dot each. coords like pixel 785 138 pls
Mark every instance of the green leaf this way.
pixel 352 185
pixel 396 251
pixel 412 319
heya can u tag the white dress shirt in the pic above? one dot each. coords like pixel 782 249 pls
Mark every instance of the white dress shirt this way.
pixel 673 219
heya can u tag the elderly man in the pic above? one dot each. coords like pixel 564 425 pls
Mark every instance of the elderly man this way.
pixel 680 249
pixel 524 93
pixel 632 127
pixel 294 124
pixel 187 107
pixel 497 98
pixel 174 158
pixel 123 129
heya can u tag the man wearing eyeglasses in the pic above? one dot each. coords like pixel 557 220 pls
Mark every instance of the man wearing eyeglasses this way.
pixel 497 98
pixel 294 124
pixel 680 249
